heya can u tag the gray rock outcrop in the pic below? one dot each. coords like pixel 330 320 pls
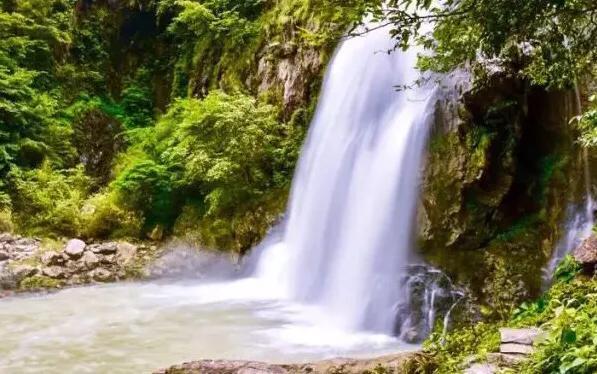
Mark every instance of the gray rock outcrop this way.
pixel 586 255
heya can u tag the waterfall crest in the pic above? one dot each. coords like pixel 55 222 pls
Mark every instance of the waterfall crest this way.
pixel 349 228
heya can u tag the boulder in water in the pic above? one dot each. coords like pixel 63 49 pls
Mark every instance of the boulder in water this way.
pixel 586 255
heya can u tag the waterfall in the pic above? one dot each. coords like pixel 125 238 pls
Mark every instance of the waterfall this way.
pixel 349 229
pixel 579 218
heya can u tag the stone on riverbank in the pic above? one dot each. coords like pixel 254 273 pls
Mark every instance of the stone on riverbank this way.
pixel 91 260
pixel 102 275
pixel 52 258
pixel 77 263
pixel 586 255
pixel 75 248
pixel 519 336
pixel 55 272
pixel 516 345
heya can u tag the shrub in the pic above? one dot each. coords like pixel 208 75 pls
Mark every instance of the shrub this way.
pixel 567 313
pixel 39 282
pixel 48 201
pixel 570 319
pixel 449 350
pixel 227 148
pixel 6 224
pixel 146 187
pixel 102 216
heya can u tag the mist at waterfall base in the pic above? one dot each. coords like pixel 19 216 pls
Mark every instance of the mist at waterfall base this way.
pixel 332 280
pixel 578 226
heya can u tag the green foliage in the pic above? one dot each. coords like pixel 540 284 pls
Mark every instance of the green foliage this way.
pixel 98 138
pixel 81 84
pixel 6 224
pixel 449 350
pixel 227 155
pixel 229 148
pixel 39 282
pixel 567 270
pixel 570 319
pixel 587 125
pixel 548 41
pixel 48 201
pixel 146 187
pixel 567 314
pixel 32 39
pixel 103 216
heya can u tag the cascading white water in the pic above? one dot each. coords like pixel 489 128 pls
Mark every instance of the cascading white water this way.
pixel 348 233
pixel 345 247
pixel 580 220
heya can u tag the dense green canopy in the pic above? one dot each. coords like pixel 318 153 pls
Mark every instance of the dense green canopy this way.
pixel 158 99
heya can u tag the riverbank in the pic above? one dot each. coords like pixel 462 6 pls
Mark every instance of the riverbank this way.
pixel 33 264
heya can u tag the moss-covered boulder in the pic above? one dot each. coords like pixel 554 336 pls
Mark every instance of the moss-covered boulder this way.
pixel 495 186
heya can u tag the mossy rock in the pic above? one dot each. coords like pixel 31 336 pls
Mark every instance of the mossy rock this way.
pixel 39 282
pixel 495 187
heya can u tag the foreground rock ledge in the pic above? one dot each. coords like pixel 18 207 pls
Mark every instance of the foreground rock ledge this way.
pixel 393 362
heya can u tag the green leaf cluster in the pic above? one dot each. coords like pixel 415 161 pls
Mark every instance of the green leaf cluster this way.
pixel 566 313
pixel 548 42
pixel 218 153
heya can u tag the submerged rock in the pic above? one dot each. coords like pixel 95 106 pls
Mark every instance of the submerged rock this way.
pixel 586 255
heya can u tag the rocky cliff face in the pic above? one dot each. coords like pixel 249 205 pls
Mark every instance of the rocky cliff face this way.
pixel 495 185
pixel 278 62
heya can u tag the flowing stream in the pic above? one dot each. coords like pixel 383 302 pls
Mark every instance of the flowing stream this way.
pixel 330 284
